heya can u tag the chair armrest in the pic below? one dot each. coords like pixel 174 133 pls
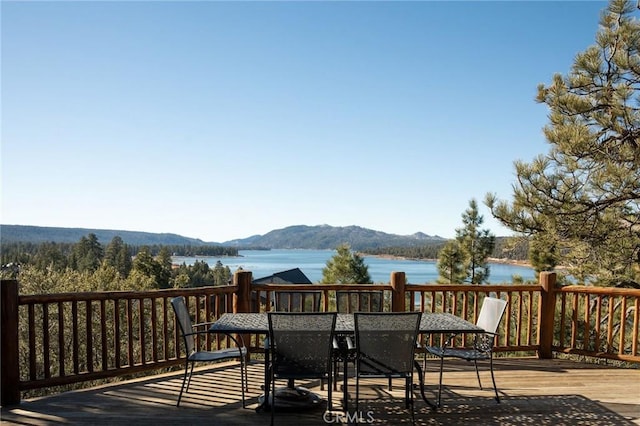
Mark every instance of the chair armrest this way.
pixel 202 324
pixel 195 333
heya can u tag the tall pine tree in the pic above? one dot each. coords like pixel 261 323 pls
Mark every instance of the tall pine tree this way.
pixel 583 197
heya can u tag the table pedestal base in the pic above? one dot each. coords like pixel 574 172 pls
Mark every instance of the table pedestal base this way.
pixel 295 398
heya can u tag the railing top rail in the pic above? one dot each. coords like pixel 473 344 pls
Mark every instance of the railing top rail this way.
pixel 608 291
pixel 482 288
pixel 319 287
pixel 110 295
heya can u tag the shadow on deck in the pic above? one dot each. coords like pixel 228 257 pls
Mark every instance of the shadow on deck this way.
pixel 533 392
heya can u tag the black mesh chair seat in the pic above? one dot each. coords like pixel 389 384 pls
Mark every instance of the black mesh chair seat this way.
pixel 222 354
pixel 467 354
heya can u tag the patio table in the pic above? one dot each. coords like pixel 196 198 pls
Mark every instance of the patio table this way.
pixel 258 323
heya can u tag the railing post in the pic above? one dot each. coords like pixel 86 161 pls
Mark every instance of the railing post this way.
pixel 9 361
pixel 398 283
pixel 546 314
pixel 242 298
pixel 242 301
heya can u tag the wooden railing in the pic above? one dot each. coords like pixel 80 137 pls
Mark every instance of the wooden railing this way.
pixel 599 322
pixel 60 339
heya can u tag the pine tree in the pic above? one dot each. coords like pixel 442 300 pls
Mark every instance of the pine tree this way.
pixel 345 267
pixel 451 264
pixel 583 197
pixel 476 243
pixel 87 254
pixel 117 255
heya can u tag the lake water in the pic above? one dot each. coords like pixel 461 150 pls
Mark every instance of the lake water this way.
pixel 263 263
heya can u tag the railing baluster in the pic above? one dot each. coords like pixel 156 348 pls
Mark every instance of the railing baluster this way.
pixel 103 333
pixel 507 323
pixel 32 343
pixel 597 323
pixel 610 314
pixel 116 332
pixel 89 334
pixel 61 342
pixel 75 347
pixel 143 334
pixel 563 313
pixel 530 318
pixel 165 327
pixel 130 356
pixel 46 345
pixel 154 330
pixel 636 324
pixel 623 323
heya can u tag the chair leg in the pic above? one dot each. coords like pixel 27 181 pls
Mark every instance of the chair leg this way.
pixel 440 382
pixel 493 379
pixel 272 403
pixel 184 380
pixel 475 363
pixel 424 366
pixel 243 379
pixel 406 393
pixel 190 374
pixel 330 390
pixel 345 388
pixel 357 397
pixel 409 386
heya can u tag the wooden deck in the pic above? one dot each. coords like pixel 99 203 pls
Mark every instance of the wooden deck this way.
pixel 533 392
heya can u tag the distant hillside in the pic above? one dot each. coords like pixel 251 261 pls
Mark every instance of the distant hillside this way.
pixel 293 237
pixel 41 234
pixel 329 237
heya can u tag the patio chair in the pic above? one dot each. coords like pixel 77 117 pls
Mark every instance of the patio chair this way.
pixel 348 302
pixel 490 316
pixel 351 301
pixel 300 348
pixel 194 354
pixel 296 301
pixel 385 348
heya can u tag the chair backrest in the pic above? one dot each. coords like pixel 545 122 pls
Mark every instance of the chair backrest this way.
pixel 350 301
pixel 301 343
pixel 296 301
pixel 184 321
pixel 386 341
pixel 491 314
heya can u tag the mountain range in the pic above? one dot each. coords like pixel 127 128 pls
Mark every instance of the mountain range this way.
pixel 292 237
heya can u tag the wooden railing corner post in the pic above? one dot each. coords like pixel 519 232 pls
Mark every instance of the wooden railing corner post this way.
pixel 398 282
pixel 546 314
pixel 242 297
pixel 9 353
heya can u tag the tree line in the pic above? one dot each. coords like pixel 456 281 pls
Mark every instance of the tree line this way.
pixel 505 248
pixel 127 267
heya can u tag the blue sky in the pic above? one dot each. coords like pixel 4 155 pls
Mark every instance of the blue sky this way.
pixel 222 120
